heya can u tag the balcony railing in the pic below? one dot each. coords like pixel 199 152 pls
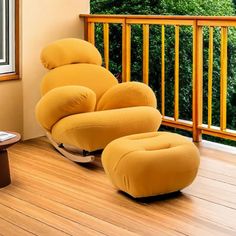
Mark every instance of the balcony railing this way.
pixel 196 125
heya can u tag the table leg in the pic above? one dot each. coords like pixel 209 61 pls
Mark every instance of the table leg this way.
pixel 5 178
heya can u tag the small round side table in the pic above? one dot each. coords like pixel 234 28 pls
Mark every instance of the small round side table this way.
pixel 5 178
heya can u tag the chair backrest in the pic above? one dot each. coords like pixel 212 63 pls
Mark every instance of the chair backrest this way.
pixel 75 62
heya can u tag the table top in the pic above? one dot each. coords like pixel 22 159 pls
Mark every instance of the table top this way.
pixel 9 142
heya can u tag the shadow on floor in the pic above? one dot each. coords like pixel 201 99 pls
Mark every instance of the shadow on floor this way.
pixel 154 199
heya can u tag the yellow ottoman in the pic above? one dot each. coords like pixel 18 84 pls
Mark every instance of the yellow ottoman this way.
pixel 150 164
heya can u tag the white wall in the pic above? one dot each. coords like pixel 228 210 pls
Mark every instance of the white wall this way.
pixel 11 114
pixel 43 21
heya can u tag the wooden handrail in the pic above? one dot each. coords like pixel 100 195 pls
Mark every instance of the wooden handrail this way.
pixel 215 18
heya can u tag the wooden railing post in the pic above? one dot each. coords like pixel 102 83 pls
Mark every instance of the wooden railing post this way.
pixel 197 81
pixel 124 51
pixel 210 74
pixel 176 86
pixel 163 70
pixel 106 44
pixel 91 33
pixel 145 53
pixel 127 52
pixel 86 28
pixel 223 79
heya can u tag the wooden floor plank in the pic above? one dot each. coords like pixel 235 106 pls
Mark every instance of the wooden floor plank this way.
pixel 217 177
pixel 49 190
pixel 67 212
pixel 46 217
pixel 220 167
pixel 163 209
pixel 214 191
pixel 12 229
pixel 111 209
pixel 15 220
pixel 213 151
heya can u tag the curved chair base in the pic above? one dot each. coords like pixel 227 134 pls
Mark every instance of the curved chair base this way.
pixel 71 155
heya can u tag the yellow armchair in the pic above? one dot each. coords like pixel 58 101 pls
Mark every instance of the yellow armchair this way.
pixel 83 107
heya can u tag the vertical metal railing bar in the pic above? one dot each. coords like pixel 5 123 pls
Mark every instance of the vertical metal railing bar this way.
pixel 223 79
pixel 176 94
pixel 197 81
pixel 91 33
pixel 106 44
pixel 210 74
pixel 145 53
pixel 163 70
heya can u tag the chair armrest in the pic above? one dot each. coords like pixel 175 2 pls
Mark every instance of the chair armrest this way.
pixel 127 94
pixel 64 101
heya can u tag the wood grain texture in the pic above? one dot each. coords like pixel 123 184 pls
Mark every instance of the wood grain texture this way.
pixel 51 195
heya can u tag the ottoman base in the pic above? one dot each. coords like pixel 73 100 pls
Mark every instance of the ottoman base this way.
pixel 150 164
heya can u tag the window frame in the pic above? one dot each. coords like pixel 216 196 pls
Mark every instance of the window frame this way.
pixel 14 75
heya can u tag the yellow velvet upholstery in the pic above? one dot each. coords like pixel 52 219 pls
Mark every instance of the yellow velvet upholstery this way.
pixel 64 101
pixel 95 77
pixel 112 98
pixel 69 51
pixel 94 130
pixel 72 91
pixel 150 164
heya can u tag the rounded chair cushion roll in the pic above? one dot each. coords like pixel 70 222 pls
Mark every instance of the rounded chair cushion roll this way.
pixel 64 101
pixel 150 164
pixel 70 51
pixel 127 94
pixel 95 77
pixel 94 130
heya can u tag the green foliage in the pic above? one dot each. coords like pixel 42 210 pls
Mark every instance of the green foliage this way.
pixel 197 7
pixel 139 7
pixel 173 7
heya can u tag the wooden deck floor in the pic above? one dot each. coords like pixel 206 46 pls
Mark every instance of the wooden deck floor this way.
pixel 50 195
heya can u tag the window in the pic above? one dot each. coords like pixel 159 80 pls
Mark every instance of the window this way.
pixel 8 36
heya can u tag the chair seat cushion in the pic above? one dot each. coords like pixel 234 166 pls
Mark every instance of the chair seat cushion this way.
pixel 150 164
pixel 94 130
